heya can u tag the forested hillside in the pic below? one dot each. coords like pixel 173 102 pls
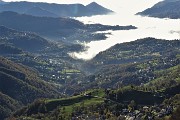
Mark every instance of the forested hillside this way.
pixel 11 39
pixel 155 72
pixel 148 75
pixel 9 49
pixel 43 78
pixel 21 85
pixel 134 52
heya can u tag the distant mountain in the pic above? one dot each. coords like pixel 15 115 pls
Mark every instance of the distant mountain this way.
pixel 96 8
pixel 164 9
pixel 21 85
pixel 37 11
pixel 53 28
pixel 13 39
pixel 55 10
pixel 66 29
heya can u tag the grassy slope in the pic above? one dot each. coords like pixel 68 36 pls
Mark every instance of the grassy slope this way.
pixel 68 105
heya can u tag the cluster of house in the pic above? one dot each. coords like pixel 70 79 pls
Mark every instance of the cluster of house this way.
pixel 141 113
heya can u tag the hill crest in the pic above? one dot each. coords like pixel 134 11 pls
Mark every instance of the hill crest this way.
pixel 55 10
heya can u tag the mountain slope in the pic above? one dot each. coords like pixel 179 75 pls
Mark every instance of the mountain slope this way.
pixel 37 11
pixel 164 9
pixel 97 9
pixel 21 85
pixel 23 40
pixel 66 29
pixel 136 51
pixel 105 104
pixel 7 106
pixel 9 49
pixel 47 27
pixel 55 10
pixel 152 79
pixel 158 73
pixel 23 76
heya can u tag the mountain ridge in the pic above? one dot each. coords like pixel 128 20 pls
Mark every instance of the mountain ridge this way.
pixel 133 52
pixel 59 10
pixel 98 9
pixel 37 11
pixel 65 29
pixel 22 40
pixel 164 9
